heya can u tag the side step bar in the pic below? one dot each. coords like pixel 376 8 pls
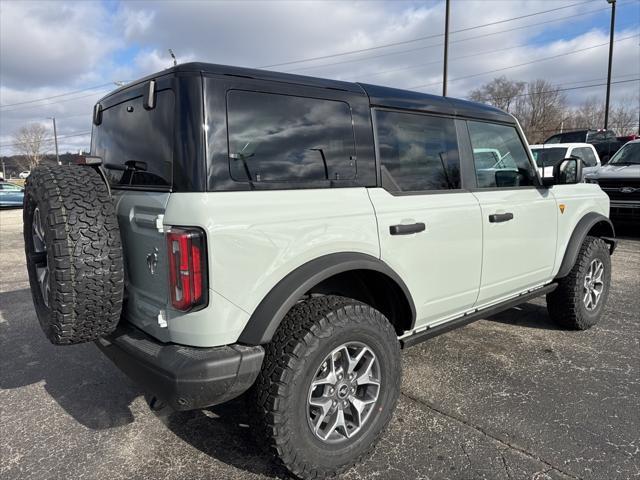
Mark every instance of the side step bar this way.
pixel 473 316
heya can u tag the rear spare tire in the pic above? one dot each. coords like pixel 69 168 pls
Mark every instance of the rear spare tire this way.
pixel 74 255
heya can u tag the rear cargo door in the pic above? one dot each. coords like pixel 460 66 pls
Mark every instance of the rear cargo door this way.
pixel 136 147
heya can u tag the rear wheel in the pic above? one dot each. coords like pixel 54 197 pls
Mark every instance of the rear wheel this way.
pixel 580 298
pixel 74 256
pixel 329 383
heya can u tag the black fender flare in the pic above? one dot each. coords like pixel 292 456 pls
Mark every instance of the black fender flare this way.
pixel 584 226
pixel 274 306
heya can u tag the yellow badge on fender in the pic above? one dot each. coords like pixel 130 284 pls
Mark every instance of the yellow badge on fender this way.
pixel 562 207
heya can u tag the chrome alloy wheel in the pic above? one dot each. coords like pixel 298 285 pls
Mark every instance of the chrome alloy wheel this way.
pixel 343 392
pixel 40 255
pixel 593 285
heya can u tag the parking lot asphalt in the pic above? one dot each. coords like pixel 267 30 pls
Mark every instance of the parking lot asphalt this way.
pixel 509 397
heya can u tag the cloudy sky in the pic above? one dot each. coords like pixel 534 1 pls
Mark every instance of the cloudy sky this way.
pixel 57 58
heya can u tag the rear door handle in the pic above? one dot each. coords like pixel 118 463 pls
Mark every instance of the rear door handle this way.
pixel 500 217
pixel 407 229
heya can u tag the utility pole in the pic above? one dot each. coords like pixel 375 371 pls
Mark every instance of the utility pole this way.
pixel 55 139
pixel 611 31
pixel 446 49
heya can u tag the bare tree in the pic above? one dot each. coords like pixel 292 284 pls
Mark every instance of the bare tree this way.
pixel 499 92
pixel 541 111
pixel 588 115
pixel 30 141
pixel 623 118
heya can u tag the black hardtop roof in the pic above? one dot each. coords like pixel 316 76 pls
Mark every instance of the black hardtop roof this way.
pixel 378 95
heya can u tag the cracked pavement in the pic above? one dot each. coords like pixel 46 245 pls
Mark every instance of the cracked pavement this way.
pixel 510 397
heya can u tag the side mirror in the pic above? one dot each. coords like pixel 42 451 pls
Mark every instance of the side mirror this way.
pixel 568 171
pixel 548 182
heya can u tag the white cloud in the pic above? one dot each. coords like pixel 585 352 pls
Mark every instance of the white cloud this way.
pixel 49 48
pixel 136 22
pixel 52 43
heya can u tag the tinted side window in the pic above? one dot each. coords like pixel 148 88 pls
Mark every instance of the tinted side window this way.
pixel 417 152
pixel 586 154
pixel 574 137
pixel 281 138
pixel 512 167
pixel 136 145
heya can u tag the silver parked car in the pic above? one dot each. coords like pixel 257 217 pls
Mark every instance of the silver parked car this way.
pixel 11 195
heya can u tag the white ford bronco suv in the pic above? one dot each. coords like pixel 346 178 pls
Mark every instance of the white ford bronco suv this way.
pixel 238 230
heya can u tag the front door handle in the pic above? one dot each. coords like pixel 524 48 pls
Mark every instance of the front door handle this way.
pixel 407 229
pixel 500 217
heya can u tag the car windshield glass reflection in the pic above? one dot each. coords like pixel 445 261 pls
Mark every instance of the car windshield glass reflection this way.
pixel 281 138
pixel 136 144
pixel 627 155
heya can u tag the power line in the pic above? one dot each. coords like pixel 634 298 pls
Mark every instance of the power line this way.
pixel 417 39
pixel 48 141
pixel 55 102
pixel 522 27
pixel 55 96
pixel 435 62
pixel 521 64
pixel 595 79
pixel 568 89
pixel 355 51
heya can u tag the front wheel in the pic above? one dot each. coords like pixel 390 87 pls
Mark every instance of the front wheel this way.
pixel 580 298
pixel 329 383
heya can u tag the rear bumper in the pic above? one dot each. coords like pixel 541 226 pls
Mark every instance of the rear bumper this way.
pixel 185 377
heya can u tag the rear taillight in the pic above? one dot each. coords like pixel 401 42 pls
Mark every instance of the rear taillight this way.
pixel 187 267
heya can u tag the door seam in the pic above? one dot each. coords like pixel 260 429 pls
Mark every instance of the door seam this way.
pixel 375 216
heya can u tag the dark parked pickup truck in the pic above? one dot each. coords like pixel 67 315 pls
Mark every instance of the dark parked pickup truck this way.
pixel 620 179
pixel 604 141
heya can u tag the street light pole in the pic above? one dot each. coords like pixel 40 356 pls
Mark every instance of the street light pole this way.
pixel 611 31
pixel 55 139
pixel 446 49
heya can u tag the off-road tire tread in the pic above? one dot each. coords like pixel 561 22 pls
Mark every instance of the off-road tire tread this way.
pixel 84 252
pixel 564 303
pixel 306 324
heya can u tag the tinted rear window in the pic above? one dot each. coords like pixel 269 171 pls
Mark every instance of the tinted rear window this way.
pixel 574 137
pixel 282 138
pixel 568 137
pixel 548 157
pixel 136 145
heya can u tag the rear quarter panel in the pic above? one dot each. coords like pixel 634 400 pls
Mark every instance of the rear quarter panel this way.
pixel 578 200
pixel 256 238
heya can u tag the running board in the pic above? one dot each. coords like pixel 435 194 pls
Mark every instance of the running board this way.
pixel 468 318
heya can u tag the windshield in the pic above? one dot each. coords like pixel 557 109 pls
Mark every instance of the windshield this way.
pixel 548 157
pixel 627 155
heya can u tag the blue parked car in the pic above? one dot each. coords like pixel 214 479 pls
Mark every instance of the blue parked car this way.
pixel 10 195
